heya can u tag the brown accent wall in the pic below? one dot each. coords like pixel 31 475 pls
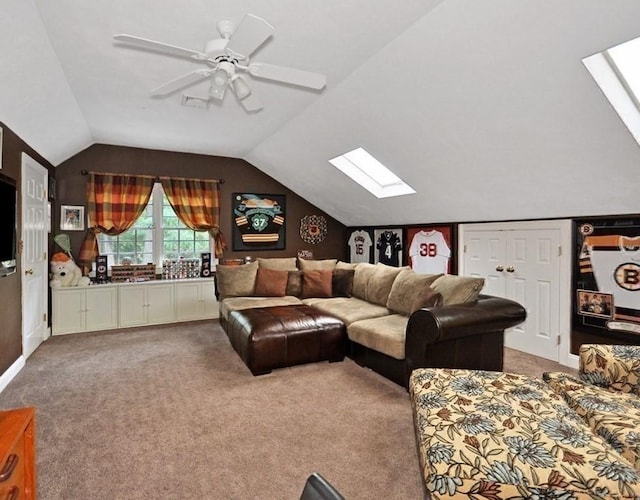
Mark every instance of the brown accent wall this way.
pixel 238 175
pixel 11 286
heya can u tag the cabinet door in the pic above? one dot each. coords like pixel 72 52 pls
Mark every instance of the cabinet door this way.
pixel 208 300
pixel 102 307
pixel 132 305
pixel 188 304
pixel 68 310
pixel 160 303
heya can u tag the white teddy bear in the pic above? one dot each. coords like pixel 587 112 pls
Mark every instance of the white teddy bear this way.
pixel 65 272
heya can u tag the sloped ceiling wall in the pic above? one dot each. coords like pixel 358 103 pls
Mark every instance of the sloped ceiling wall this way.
pixel 483 106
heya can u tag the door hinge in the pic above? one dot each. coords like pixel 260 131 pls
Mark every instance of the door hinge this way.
pixel 44 317
pixel 558 340
pixel 464 249
pixel 559 251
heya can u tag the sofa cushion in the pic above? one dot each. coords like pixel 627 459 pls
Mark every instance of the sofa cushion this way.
pixel 342 282
pixel 294 283
pixel 615 367
pixel 271 282
pixel 240 303
pixel 236 281
pixel 279 263
pixel 317 265
pixel 493 435
pixel 316 283
pixel 458 289
pixel 426 298
pixel 363 272
pixel 385 334
pixel 348 309
pixel 380 283
pixel 346 265
pixel 613 415
pixel 406 288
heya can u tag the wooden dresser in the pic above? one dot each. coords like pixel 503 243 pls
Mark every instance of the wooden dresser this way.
pixel 17 454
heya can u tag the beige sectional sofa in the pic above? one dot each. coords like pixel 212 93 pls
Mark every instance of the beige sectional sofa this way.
pixel 376 302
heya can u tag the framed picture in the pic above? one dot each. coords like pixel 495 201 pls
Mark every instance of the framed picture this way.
pixel 431 249
pixel 388 246
pixel 606 276
pixel 259 221
pixel 72 218
pixel 361 245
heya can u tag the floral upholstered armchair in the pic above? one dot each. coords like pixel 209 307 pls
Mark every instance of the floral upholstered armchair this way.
pixel 606 394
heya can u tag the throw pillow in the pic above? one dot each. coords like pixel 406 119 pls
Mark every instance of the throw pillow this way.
pixel 317 265
pixel 342 282
pixel 316 284
pixel 294 283
pixel 426 298
pixel 406 287
pixel 346 265
pixel 271 283
pixel 458 289
pixel 236 281
pixel 279 263
pixel 380 282
pixel 364 271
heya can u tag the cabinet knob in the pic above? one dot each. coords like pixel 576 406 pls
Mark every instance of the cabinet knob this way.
pixel 499 268
pixel 28 271
pixel 511 269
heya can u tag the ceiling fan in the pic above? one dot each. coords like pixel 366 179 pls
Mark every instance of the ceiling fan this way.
pixel 225 57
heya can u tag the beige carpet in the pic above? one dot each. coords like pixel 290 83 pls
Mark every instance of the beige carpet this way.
pixel 171 412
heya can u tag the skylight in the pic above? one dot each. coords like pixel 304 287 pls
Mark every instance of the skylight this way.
pixel 617 72
pixel 371 174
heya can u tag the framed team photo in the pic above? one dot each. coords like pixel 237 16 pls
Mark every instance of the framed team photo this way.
pixel 606 276
pixel 389 244
pixel 431 249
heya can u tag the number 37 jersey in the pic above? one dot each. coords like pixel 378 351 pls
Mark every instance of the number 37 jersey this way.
pixel 429 253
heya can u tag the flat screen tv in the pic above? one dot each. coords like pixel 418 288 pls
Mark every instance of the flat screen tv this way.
pixel 8 208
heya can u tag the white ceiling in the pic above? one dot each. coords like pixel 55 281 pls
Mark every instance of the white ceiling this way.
pixel 483 106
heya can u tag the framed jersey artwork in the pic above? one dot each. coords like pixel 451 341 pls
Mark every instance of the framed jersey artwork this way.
pixel 430 249
pixel 607 275
pixel 388 246
pixel 360 243
pixel 258 221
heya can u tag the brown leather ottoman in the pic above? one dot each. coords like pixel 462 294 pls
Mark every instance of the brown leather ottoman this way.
pixel 275 337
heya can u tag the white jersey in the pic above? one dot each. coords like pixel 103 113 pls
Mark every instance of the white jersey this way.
pixel 615 263
pixel 429 253
pixel 360 243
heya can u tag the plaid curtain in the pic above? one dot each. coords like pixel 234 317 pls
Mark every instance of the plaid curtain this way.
pixel 196 202
pixel 114 203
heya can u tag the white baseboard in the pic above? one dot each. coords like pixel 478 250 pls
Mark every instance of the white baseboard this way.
pixel 13 370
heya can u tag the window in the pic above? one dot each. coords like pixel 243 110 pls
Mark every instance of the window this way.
pixel 157 235
pixel 617 73
pixel 371 174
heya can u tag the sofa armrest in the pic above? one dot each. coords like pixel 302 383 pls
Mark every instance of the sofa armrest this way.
pixel 615 367
pixel 467 335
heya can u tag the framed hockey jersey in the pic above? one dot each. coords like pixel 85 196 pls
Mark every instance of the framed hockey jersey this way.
pixel 258 221
pixel 607 275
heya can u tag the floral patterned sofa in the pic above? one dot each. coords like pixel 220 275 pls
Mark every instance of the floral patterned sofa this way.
pixel 497 435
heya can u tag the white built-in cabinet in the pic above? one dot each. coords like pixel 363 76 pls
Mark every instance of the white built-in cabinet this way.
pixel 124 305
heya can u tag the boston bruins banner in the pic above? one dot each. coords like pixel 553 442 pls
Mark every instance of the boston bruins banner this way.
pixel 259 221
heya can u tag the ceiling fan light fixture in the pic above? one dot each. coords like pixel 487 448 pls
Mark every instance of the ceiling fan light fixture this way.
pixel 240 87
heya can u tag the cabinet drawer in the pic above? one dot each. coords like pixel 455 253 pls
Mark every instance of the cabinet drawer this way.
pixel 12 471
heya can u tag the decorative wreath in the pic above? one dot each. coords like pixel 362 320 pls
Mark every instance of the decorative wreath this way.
pixel 313 229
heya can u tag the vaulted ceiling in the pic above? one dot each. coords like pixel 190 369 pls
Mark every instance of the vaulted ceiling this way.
pixel 483 106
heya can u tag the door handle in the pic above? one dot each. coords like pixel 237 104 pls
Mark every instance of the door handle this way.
pixel 511 269
pixel 28 271
pixel 499 268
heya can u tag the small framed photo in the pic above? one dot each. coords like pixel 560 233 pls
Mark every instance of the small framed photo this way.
pixel 72 218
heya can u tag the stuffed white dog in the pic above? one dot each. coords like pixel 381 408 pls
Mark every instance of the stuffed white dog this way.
pixel 65 272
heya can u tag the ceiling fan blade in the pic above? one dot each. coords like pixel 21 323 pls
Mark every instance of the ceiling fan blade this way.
pixel 160 47
pixel 288 75
pixel 252 32
pixel 182 81
pixel 251 103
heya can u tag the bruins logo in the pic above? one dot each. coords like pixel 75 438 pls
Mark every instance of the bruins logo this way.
pixel 627 276
pixel 313 229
